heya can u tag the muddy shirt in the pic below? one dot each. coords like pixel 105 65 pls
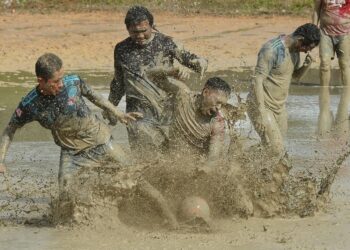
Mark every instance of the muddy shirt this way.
pixel 71 122
pixel 142 95
pixel 277 64
pixel 189 127
pixel 338 11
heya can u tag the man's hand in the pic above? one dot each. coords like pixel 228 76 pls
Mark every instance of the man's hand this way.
pixel 183 73
pixel 2 168
pixel 110 117
pixel 179 72
pixel 308 60
pixel 131 116
pixel 200 65
pixel 260 123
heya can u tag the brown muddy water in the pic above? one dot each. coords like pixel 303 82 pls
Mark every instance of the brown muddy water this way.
pixel 31 182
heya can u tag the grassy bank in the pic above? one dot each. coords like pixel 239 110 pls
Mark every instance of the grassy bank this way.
pixel 216 7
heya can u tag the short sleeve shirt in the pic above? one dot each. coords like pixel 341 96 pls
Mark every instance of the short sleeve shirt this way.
pixel 190 128
pixel 70 120
pixel 277 63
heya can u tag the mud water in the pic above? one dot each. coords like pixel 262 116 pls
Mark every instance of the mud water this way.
pixel 31 183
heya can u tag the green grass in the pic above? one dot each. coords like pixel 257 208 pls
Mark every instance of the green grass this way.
pixel 217 7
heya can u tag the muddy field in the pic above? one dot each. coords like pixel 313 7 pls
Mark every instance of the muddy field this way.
pixel 86 42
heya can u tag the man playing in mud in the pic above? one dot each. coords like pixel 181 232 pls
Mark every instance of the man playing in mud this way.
pixel 199 127
pixel 334 19
pixel 57 104
pixel 278 62
pixel 145 49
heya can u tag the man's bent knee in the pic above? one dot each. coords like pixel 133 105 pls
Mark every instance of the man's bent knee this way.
pixel 325 65
pixel 344 62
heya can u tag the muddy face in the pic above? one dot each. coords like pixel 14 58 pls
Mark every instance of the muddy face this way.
pixel 301 46
pixel 53 85
pixel 141 32
pixel 212 101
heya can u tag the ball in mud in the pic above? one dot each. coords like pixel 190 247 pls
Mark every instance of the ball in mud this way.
pixel 193 208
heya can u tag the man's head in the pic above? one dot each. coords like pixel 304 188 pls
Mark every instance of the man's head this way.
pixel 139 22
pixel 307 37
pixel 215 93
pixel 49 73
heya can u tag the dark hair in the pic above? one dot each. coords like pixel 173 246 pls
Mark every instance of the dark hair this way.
pixel 310 32
pixel 47 65
pixel 218 84
pixel 137 14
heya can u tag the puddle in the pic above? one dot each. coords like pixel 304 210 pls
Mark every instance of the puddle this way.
pixel 302 103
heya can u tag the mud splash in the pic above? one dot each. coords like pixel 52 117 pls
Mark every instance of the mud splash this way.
pixel 252 184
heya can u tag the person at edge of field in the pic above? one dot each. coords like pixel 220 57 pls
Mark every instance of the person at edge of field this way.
pixel 144 49
pixel 278 62
pixel 333 17
pixel 57 104
pixel 199 126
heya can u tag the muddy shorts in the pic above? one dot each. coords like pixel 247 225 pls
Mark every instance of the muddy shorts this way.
pixel 331 45
pixel 71 162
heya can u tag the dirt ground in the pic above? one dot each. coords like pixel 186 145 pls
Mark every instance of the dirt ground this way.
pixel 86 41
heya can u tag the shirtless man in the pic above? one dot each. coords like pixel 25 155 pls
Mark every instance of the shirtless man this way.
pixel 57 104
pixel 333 16
pixel 278 62
pixel 142 50
pixel 198 127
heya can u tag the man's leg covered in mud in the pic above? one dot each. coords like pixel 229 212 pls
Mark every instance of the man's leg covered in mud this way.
pixel 65 173
pixel 62 208
pixel 274 135
pixel 325 119
pixel 151 192
pixel 343 53
pixel 118 155
pixel 282 121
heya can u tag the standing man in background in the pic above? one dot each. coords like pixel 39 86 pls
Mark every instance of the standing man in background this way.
pixel 333 16
pixel 278 63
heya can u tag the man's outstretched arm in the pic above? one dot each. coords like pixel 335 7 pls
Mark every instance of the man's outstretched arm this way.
pixel 117 86
pixel 159 75
pixel 5 141
pixel 262 71
pixel 190 60
pixel 107 106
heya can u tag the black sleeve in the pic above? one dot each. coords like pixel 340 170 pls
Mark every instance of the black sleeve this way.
pixel 183 56
pixel 117 87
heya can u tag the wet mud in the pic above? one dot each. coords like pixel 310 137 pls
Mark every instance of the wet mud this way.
pixel 253 184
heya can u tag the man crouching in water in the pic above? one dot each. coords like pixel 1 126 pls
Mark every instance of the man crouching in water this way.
pixel 57 104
